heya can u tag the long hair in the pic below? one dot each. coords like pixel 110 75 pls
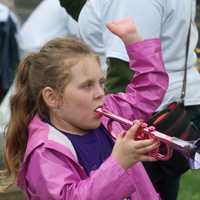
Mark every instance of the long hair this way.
pixel 49 67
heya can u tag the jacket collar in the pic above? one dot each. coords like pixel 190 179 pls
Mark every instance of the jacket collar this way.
pixel 42 133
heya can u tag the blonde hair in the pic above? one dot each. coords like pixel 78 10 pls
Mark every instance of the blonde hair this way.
pixel 49 67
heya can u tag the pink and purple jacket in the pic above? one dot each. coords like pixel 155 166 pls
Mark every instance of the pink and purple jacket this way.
pixel 50 169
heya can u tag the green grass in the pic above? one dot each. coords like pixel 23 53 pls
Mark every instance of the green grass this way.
pixel 190 186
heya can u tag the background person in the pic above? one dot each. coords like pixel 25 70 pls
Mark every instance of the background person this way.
pixel 54 22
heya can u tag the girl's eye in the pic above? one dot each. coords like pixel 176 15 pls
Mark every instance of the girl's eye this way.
pixel 102 83
pixel 88 85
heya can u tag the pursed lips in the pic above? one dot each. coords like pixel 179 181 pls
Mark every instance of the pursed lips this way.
pixel 96 113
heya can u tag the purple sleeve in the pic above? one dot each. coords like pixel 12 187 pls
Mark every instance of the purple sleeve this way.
pixel 146 90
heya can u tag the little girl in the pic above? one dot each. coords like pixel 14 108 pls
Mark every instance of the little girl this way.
pixel 58 147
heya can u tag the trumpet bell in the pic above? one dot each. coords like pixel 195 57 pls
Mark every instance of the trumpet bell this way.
pixel 194 161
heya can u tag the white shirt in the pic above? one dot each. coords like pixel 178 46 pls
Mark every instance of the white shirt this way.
pixel 167 19
pixel 49 20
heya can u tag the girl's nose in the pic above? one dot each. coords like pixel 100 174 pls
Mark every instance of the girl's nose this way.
pixel 99 92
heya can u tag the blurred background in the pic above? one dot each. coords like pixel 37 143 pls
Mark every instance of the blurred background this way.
pixel 23 8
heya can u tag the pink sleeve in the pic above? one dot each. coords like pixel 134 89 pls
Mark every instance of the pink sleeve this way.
pixel 51 176
pixel 146 90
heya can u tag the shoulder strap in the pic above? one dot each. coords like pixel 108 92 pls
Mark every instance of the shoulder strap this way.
pixel 186 61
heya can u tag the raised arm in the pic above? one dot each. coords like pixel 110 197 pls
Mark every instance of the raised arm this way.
pixel 147 87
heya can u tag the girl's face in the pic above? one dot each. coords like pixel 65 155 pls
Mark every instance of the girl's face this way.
pixel 83 94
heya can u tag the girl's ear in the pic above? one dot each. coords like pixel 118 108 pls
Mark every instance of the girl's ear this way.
pixel 50 97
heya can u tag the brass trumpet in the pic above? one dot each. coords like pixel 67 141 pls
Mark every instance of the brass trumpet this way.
pixel 190 149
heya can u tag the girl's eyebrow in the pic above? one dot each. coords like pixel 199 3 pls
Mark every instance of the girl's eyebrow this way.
pixel 102 79
pixel 92 80
pixel 87 81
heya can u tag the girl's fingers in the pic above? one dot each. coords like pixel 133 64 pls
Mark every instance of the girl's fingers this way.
pixel 120 26
pixel 132 131
pixel 148 148
pixel 121 21
pixel 142 143
pixel 111 26
pixel 146 158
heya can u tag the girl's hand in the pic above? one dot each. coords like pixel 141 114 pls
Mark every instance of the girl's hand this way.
pixel 125 29
pixel 128 151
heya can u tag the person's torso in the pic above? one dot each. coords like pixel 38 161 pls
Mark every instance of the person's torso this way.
pixel 168 19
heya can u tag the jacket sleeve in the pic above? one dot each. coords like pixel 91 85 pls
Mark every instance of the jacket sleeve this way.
pixel 146 89
pixel 51 177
